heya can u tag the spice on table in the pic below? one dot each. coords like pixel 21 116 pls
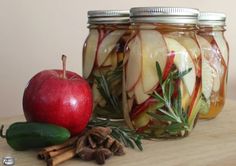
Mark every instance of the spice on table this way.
pixel 94 144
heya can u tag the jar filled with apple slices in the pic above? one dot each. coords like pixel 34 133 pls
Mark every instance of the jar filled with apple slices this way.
pixel 215 58
pixel 162 72
pixel 103 56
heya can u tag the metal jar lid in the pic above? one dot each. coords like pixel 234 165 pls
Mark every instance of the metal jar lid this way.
pixel 108 17
pixel 173 15
pixel 211 19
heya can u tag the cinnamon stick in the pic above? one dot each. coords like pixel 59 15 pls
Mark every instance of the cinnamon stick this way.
pixel 69 142
pixel 52 154
pixel 61 157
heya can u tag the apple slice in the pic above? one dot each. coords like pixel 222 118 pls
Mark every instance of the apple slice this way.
pixel 190 45
pixel 89 52
pixel 183 62
pixel 205 47
pixel 139 93
pixel 107 45
pixel 216 82
pixel 130 103
pixel 138 109
pixel 97 97
pixel 207 78
pixel 143 118
pixel 134 64
pixel 107 62
pixel 221 43
pixel 195 105
pixel 153 50
pixel 114 60
pixel 186 98
pixel 126 108
pixel 130 94
pixel 210 80
pixel 120 56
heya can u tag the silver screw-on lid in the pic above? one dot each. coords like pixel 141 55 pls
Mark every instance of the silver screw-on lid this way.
pixel 211 19
pixel 174 15
pixel 108 17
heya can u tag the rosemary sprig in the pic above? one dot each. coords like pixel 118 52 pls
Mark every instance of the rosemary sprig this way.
pixel 172 115
pixel 125 135
pixel 104 86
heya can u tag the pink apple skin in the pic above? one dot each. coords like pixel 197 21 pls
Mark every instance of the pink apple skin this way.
pixel 65 102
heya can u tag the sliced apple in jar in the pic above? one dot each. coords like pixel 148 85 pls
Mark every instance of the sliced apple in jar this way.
pixel 89 53
pixel 195 106
pixel 153 50
pixel 183 62
pixel 97 97
pixel 139 93
pixel 191 45
pixel 216 82
pixel 210 80
pixel 186 98
pixel 207 78
pixel 221 43
pixel 107 62
pixel 205 47
pixel 107 45
pixel 143 118
pixel 134 63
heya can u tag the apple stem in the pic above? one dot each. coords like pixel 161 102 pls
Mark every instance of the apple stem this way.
pixel 63 58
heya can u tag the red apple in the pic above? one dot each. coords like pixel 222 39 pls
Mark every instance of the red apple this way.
pixel 59 97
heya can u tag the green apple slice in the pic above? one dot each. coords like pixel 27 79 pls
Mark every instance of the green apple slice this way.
pixel 107 45
pixel 90 49
pixel 139 93
pixel 191 45
pixel 183 62
pixel 221 43
pixel 153 50
pixel 133 66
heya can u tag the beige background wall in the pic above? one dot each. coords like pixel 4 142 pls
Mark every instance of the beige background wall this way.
pixel 34 34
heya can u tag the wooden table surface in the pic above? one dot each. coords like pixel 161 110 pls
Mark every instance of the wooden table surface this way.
pixel 212 143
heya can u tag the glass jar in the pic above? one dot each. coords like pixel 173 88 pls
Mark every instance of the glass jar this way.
pixel 103 58
pixel 162 72
pixel 215 58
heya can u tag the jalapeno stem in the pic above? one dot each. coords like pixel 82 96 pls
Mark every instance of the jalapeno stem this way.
pixel 63 58
pixel 1 132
